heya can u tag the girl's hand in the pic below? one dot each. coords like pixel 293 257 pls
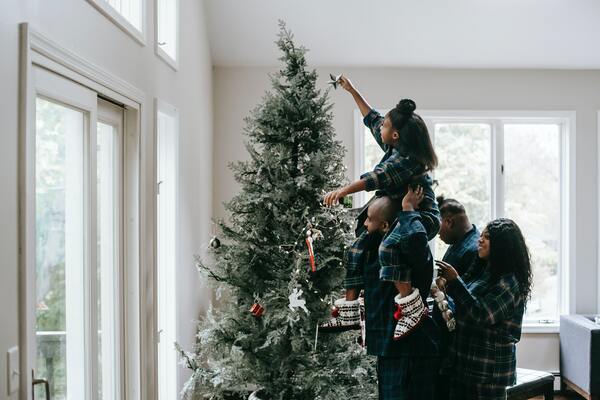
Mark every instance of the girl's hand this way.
pixel 447 271
pixel 334 196
pixel 346 84
pixel 411 200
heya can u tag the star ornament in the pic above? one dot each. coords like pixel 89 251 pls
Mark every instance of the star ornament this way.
pixel 334 80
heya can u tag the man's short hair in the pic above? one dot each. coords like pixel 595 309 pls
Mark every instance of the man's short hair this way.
pixel 386 208
pixel 449 207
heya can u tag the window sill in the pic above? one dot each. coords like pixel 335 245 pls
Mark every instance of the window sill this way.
pixel 540 328
pixel 163 55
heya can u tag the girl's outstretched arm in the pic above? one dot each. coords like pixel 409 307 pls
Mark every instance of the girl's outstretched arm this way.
pixel 362 104
pixel 334 197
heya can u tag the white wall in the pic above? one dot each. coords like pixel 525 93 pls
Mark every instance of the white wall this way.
pixel 238 89
pixel 76 25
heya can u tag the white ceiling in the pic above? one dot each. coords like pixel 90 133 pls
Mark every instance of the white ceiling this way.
pixel 411 33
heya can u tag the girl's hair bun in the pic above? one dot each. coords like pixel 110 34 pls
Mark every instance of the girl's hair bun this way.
pixel 406 107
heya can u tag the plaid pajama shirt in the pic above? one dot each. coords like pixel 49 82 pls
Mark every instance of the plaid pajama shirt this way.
pixel 489 314
pixel 407 368
pixel 391 177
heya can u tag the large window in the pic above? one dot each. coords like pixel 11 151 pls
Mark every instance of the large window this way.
pixel 78 243
pixel 512 166
pixel 126 14
pixel 167 31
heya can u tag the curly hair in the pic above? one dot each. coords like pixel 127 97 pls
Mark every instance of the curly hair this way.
pixel 414 137
pixel 509 253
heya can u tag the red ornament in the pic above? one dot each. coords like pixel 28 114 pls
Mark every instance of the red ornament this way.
pixel 257 310
pixel 311 254
pixel 335 312
pixel 398 313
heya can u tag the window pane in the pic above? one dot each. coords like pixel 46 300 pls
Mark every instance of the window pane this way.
pixel 60 249
pixel 108 294
pixel 167 27
pixel 166 256
pixel 373 152
pixel 464 171
pixel 131 10
pixel 532 200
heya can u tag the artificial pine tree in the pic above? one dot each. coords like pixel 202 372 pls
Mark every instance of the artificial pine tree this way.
pixel 262 335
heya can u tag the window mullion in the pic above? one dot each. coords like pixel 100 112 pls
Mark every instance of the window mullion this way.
pixel 498 172
pixel 91 274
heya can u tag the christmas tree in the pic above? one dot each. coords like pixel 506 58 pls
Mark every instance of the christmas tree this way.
pixel 262 336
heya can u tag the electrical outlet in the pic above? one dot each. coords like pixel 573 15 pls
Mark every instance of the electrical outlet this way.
pixel 12 361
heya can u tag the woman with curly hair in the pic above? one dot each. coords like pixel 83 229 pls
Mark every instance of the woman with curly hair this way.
pixel 489 313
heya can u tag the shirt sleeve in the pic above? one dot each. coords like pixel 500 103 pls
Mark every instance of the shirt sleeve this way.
pixel 373 120
pixel 396 171
pixel 497 305
pixel 406 248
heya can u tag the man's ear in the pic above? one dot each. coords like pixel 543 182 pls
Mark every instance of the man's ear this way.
pixel 395 135
pixel 385 226
pixel 450 222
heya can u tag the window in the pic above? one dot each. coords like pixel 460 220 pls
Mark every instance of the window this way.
pixel 167 225
pixel 126 14
pixel 79 268
pixel 514 166
pixel 167 31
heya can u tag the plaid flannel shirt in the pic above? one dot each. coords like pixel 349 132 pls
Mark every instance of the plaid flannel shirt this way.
pixel 462 255
pixel 489 314
pixel 405 249
pixel 379 298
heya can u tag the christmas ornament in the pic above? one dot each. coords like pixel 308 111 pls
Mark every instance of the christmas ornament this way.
pixel 334 80
pixel 312 234
pixel 257 310
pixel 440 299
pixel 296 301
pixel 215 243
pixel 254 395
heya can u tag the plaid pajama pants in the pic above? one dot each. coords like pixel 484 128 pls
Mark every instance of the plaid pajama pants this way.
pixel 407 378
pixel 462 390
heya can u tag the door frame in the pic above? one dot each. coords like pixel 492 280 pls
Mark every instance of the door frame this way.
pixel 139 207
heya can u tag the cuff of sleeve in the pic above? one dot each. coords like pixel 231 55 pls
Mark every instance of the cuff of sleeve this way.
pixel 370 179
pixel 458 290
pixel 395 274
pixel 370 117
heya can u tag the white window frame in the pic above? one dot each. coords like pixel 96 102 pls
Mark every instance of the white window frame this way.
pixel 598 222
pixel 497 120
pixel 166 108
pixel 137 197
pixel 139 35
pixel 171 62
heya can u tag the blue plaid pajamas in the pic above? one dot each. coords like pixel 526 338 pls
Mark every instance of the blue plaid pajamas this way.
pixel 489 315
pixel 406 378
pixel 404 249
pixel 407 368
pixel 461 390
